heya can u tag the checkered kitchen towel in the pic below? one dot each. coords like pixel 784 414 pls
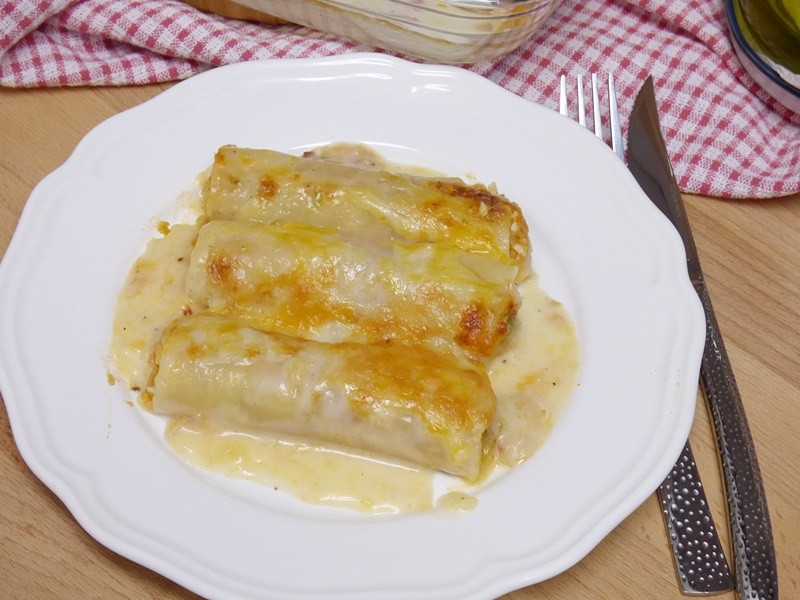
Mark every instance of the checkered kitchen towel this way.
pixel 726 137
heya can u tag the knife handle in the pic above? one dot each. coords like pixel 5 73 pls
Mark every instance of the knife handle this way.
pixel 751 531
pixel 699 559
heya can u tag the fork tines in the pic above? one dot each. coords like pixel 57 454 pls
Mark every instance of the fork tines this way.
pixel 613 109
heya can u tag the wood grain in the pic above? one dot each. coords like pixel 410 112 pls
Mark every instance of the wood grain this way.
pixel 751 256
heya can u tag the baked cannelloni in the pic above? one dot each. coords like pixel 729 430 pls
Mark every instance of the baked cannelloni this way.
pixel 350 322
pixel 400 402
pixel 312 282
pixel 269 186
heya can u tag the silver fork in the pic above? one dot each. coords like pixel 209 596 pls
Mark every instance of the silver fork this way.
pixel 700 562
pixel 613 110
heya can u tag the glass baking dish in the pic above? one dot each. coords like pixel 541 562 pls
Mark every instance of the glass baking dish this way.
pixel 454 32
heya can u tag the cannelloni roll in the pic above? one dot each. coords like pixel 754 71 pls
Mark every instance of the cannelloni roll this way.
pixel 401 402
pixel 269 186
pixel 314 283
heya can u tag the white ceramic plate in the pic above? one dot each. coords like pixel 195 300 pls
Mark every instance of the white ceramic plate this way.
pixel 598 245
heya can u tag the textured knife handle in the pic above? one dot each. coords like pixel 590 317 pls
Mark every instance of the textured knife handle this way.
pixel 699 559
pixel 751 532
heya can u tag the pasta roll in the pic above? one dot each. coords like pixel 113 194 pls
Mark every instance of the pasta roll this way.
pixel 269 186
pixel 312 282
pixel 401 402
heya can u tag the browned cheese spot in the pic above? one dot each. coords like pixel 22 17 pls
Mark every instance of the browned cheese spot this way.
pixel 267 189
pixel 476 193
pixel 472 332
pixel 222 271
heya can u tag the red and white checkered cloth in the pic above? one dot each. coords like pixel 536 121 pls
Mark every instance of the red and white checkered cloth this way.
pixel 725 136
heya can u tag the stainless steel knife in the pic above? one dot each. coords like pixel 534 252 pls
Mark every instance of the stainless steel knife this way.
pixel 751 532
pixel 700 562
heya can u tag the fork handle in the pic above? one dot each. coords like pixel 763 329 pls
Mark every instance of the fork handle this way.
pixel 696 549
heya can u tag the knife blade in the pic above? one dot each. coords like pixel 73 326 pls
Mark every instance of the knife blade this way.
pixel 751 532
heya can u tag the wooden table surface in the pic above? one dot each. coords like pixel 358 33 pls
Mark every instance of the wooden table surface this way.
pixel 751 256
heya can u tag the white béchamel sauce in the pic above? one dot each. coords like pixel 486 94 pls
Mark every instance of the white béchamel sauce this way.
pixel 534 375
pixel 313 474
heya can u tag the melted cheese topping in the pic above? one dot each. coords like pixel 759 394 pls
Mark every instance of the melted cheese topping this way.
pixel 313 283
pixel 272 187
pixel 407 402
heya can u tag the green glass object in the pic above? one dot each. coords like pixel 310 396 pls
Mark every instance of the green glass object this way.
pixel 772 27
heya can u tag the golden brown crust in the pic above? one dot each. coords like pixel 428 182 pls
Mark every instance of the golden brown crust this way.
pixel 314 283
